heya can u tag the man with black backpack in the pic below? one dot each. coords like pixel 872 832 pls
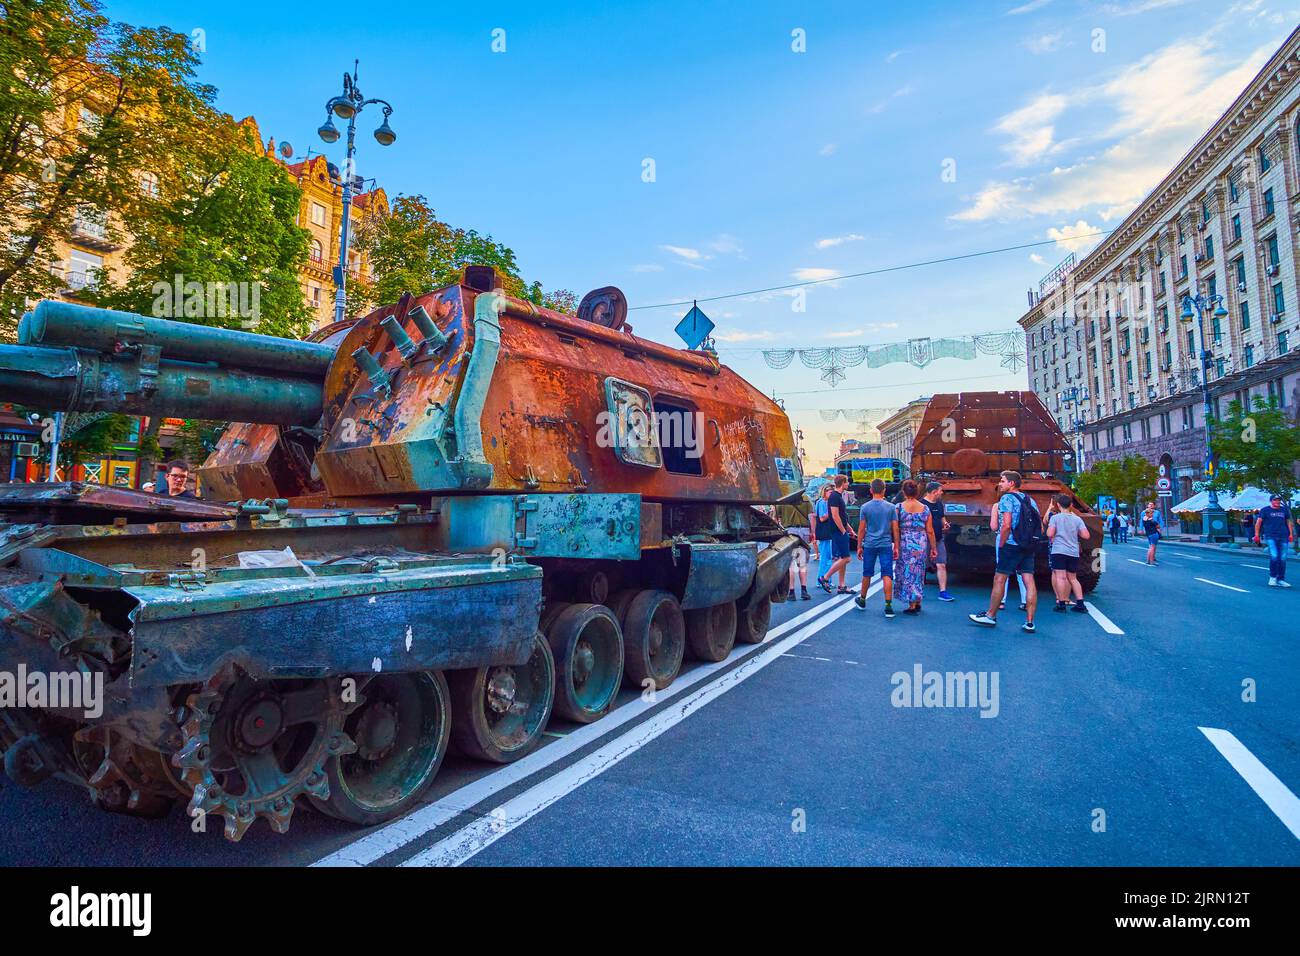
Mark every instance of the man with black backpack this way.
pixel 1020 528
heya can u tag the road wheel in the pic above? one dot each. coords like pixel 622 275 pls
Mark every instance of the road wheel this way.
pixel 588 646
pixel 499 712
pixel 618 604
pixel 752 625
pixel 401 729
pixel 711 631
pixel 593 587
pixel 654 639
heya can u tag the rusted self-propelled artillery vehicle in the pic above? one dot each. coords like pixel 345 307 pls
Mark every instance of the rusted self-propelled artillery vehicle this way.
pixel 965 441
pixel 445 520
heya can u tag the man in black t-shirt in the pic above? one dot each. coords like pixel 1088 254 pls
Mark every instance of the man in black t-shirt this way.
pixel 840 537
pixel 934 501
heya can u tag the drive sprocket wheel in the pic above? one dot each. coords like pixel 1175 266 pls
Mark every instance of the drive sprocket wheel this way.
pixel 251 747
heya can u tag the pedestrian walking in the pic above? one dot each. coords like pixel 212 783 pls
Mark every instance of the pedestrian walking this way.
pixel 934 500
pixel 1123 528
pixel 997 550
pixel 823 529
pixel 839 541
pixel 1113 525
pixel 1020 528
pixel 1153 528
pixel 799 561
pixel 916 545
pixel 1276 526
pixel 877 545
pixel 1065 529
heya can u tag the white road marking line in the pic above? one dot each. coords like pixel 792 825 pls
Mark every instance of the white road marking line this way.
pixel 1136 561
pixel 1256 567
pixel 1107 625
pixel 1226 587
pixel 394 836
pixel 482 833
pixel 1275 794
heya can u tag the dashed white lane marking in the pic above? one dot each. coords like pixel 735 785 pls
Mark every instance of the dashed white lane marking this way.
pixel 1226 587
pixel 1107 625
pixel 394 836
pixel 482 833
pixel 1256 567
pixel 1136 561
pixel 1275 794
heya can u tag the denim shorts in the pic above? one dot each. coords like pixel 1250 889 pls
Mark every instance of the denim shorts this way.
pixel 840 546
pixel 884 555
pixel 1012 559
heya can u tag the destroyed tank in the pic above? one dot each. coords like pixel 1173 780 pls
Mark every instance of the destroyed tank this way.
pixel 442 523
pixel 965 441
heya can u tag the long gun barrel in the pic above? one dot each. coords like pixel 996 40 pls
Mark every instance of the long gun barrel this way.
pixel 135 365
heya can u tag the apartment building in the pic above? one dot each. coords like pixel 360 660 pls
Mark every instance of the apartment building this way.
pixel 1108 349
pixel 898 431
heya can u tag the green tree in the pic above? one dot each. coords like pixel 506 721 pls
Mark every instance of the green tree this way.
pixel 90 111
pixel 1123 479
pixel 88 437
pixel 195 440
pixel 225 238
pixel 412 250
pixel 1259 447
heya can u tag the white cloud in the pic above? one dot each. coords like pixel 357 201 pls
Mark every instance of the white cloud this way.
pixel 685 252
pixel 648 267
pixel 1036 259
pixel 828 150
pixel 1150 113
pixel 1140 6
pixel 1068 237
pixel 900 92
pixel 726 244
pixel 839 240
pixel 1029 7
pixel 1031 128
pixel 894 56
pixel 845 334
pixel 742 336
pixel 811 274
pixel 1047 43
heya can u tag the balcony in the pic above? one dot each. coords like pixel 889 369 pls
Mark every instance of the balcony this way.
pixel 90 229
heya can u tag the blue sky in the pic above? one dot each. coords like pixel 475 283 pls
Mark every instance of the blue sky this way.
pixel 770 165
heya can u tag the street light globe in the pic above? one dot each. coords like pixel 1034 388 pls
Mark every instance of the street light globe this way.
pixel 328 131
pixel 343 108
pixel 385 135
pixel 1188 314
pixel 1220 312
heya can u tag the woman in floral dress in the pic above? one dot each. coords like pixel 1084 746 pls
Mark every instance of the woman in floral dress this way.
pixel 915 544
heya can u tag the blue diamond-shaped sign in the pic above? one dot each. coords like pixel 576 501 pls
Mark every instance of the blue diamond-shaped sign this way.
pixel 694 327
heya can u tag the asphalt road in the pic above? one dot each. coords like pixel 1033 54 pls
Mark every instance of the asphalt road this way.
pixel 1099 748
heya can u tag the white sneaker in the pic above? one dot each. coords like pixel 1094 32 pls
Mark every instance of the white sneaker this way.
pixel 1282 584
pixel 1272 582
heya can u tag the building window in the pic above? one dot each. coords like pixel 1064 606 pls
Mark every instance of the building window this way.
pixel 1240 267
pixel 1182 267
pixel 1250 356
pixel 1169 355
pixel 1270 244
pixel 1218 368
pixel 1209 247
pixel 1265 164
pixel 1279 300
pixel 89 121
pixel 1212 286
pixel 1216 329
pixel 317 214
pixel 1281 343
pixel 1232 188
pixel 83 268
pixel 1128 371
pixel 1236 227
pixel 149 184
pixel 1163 285
pixel 1205 210
pixel 316 255
pixel 1187 417
pixel 1245 316
pixel 1268 202
pixel 313 293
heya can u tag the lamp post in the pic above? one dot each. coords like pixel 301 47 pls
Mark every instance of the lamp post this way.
pixel 349 107
pixel 1075 396
pixel 1214 518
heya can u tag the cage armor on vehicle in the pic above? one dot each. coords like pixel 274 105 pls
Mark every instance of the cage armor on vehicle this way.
pixel 965 441
pixel 446 521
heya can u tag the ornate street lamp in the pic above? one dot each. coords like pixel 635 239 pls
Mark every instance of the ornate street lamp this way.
pixel 348 107
pixel 1075 396
pixel 1214 518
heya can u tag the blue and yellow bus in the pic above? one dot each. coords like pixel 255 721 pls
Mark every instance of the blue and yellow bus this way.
pixel 862 471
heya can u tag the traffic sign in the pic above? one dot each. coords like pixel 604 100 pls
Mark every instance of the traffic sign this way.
pixel 694 327
pixel 1164 488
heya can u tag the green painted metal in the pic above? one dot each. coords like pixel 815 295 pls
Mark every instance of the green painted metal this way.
pixel 548 525
pixel 77 380
pixel 54 323
pixel 471 463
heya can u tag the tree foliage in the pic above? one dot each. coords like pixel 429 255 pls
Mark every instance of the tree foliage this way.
pixel 88 108
pixel 1123 479
pixel 1258 447
pixel 412 250
pixel 226 226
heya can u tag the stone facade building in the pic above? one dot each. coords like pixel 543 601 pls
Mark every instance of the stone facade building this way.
pixel 898 431
pixel 1108 351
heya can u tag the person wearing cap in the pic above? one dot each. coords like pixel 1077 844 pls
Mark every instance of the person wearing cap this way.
pixel 934 499
pixel 1276 527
